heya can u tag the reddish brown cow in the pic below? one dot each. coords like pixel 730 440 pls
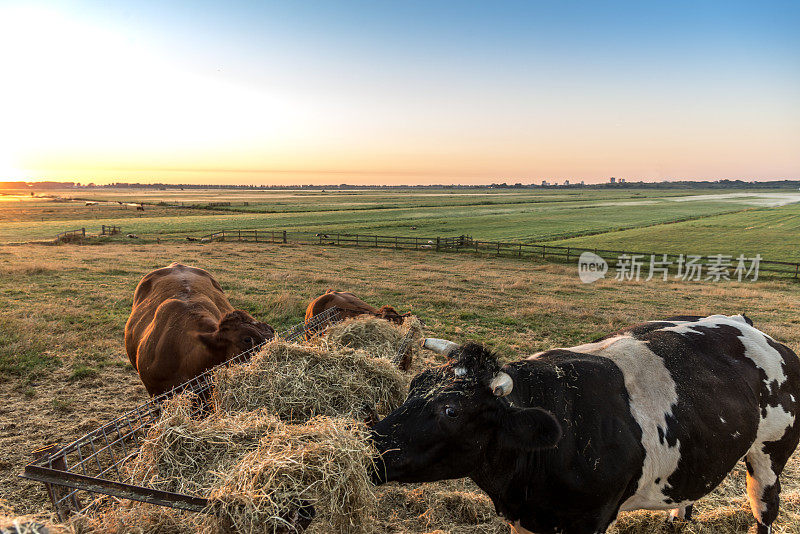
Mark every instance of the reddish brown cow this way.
pixel 351 306
pixel 182 324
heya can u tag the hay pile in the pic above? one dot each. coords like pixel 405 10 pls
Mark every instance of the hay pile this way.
pixel 378 337
pixel 297 382
pixel 325 463
pixel 283 434
pixel 258 471
pixel 183 454
pixel 11 523
pixel 452 507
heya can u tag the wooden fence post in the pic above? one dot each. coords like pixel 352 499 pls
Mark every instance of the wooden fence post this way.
pixel 83 231
pixel 284 236
pixel 437 244
pixel 543 247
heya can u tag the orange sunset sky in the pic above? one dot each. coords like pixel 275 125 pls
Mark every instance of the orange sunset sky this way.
pixel 403 92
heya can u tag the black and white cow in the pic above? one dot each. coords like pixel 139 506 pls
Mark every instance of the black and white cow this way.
pixel 651 417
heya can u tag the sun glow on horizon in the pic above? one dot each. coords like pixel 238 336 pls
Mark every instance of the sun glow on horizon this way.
pixel 85 99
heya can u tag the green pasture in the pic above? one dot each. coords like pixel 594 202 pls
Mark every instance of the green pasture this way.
pixel 491 215
pixel 684 221
pixel 772 232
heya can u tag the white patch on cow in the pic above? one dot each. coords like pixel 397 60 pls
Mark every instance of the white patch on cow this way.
pixel 738 317
pixel 459 371
pixel 755 343
pixel 652 393
pixel 722 419
pixel 770 428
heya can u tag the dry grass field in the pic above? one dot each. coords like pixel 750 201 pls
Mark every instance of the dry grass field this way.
pixel 63 369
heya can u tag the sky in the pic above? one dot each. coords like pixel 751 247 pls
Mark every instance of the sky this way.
pixel 397 92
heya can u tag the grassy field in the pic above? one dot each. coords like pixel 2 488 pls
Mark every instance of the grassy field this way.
pixel 63 308
pixel 521 215
pixel 772 232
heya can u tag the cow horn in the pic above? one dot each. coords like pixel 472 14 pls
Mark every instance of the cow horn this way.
pixel 501 385
pixel 442 346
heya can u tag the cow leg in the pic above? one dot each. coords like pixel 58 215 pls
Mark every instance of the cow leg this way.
pixel 763 489
pixel 684 513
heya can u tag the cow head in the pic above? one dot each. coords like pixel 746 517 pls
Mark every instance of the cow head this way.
pixel 390 314
pixel 237 332
pixel 453 417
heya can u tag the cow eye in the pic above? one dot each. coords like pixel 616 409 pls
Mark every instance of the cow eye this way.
pixel 449 411
pixel 248 340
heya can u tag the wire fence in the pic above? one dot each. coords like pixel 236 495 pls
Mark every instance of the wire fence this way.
pixel 675 262
pixel 100 462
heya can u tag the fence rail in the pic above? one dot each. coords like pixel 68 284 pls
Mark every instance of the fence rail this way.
pixel 100 462
pixel 542 251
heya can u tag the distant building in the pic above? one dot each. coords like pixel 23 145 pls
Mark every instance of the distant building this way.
pixel 612 180
pixel 566 182
pixel 582 182
pixel 544 183
pixel 622 180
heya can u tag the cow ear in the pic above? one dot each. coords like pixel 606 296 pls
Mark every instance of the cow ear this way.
pixel 233 320
pixel 211 339
pixel 530 429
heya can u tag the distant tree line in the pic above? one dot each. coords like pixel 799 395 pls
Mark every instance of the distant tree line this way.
pixel 681 184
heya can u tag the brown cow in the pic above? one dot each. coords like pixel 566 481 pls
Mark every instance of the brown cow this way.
pixel 351 306
pixel 182 324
